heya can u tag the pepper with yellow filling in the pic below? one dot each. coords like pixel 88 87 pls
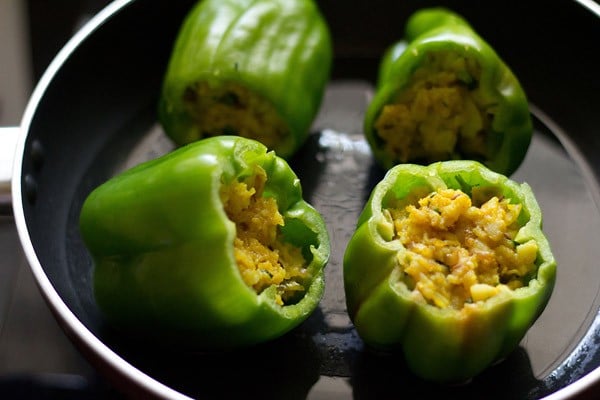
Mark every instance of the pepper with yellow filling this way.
pixel 443 93
pixel 253 68
pixel 449 266
pixel 211 245
pixel 262 257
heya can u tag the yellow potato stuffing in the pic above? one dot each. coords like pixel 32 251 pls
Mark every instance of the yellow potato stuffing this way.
pixel 458 253
pixel 262 257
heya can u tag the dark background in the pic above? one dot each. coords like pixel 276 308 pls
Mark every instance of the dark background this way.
pixel 52 23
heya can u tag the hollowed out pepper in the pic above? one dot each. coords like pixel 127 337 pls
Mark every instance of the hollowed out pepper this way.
pixel 449 266
pixel 252 68
pixel 443 93
pixel 211 245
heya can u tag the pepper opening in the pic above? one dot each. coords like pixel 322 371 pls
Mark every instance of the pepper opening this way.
pixel 263 258
pixel 232 109
pixel 461 249
pixel 439 115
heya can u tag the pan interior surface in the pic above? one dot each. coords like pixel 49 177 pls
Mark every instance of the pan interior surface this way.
pixel 338 173
pixel 98 117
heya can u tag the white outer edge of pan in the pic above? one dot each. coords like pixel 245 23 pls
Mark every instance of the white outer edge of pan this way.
pixel 66 318
pixel 63 313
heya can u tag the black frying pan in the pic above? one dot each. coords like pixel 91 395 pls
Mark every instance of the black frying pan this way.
pixel 94 114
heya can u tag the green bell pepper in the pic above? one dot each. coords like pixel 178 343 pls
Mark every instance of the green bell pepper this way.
pixel 211 245
pixel 449 266
pixel 443 93
pixel 252 68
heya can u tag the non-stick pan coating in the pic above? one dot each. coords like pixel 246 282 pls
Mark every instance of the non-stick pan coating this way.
pixel 98 102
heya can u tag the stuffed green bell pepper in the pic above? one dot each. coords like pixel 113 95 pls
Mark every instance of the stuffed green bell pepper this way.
pixel 443 93
pixel 449 266
pixel 253 68
pixel 211 245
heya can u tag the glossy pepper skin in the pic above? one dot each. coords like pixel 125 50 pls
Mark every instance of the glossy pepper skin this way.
pixel 162 247
pixel 280 50
pixel 433 30
pixel 440 344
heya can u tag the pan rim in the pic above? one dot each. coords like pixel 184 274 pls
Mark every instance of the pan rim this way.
pixel 76 329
